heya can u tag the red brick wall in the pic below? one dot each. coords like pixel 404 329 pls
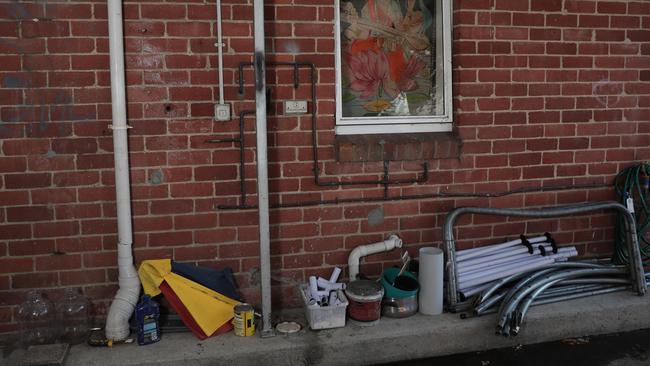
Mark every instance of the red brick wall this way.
pixel 547 92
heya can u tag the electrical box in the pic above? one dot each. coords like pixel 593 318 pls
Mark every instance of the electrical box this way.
pixel 222 112
pixel 295 106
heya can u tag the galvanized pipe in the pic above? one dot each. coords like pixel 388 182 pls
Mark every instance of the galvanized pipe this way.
pixel 636 269
pixel 262 168
pixel 507 307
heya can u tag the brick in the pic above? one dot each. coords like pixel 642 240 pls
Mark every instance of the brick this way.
pixel 58 262
pixel 13 265
pixel 170 239
pixel 195 221
pixel 32 213
pixel 546 5
pixel 18 181
pixel 31 247
pixel 34 280
pixel 61 228
pixel 70 45
pixel 160 11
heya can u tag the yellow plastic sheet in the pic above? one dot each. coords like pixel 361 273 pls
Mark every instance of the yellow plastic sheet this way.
pixel 209 309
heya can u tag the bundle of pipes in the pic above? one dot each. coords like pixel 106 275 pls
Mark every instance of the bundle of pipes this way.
pixel 550 283
pixel 323 292
pixel 478 267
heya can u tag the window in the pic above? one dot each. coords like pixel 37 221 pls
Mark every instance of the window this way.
pixel 393 66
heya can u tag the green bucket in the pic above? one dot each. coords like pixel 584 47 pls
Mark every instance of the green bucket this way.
pixel 388 278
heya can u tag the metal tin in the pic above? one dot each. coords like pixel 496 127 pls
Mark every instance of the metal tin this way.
pixel 244 321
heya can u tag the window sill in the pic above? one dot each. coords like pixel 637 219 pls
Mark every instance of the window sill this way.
pixel 394 147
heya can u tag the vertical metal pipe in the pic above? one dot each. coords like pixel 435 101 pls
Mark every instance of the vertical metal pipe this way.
pixel 220 52
pixel 262 168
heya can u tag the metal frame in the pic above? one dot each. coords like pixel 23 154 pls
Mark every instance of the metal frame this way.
pixel 411 124
pixel 636 270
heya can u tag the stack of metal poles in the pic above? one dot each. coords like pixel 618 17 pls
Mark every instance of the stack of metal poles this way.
pixel 512 296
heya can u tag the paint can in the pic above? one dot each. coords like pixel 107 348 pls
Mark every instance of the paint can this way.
pixel 244 321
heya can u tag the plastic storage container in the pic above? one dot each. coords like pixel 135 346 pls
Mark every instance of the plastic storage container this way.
pixel 324 317
pixel 37 320
pixel 74 316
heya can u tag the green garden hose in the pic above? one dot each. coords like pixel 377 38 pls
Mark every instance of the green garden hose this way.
pixel 633 182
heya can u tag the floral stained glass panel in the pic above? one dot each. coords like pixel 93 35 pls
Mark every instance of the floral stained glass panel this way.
pixel 388 58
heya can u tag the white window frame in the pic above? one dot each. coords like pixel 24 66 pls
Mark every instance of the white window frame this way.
pixel 399 124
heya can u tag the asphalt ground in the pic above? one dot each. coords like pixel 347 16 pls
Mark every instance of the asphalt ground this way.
pixel 621 349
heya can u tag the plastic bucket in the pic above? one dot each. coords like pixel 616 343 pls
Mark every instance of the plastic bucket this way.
pixel 405 286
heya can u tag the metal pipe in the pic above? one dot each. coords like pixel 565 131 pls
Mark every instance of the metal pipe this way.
pixel 551 300
pixel 531 275
pixel 385 181
pixel 636 269
pixel 220 52
pixel 117 321
pixel 262 168
pixel 342 201
pixel 506 309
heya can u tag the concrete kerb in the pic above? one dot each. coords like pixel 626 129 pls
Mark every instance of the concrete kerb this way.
pixel 391 340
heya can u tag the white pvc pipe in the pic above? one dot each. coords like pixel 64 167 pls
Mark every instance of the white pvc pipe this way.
pixel 391 243
pixel 329 286
pixel 564 253
pixel 430 277
pixel 220 51
pixel 481 278
pixel 500 257
pixel 477 252
pixel 334 277
pixel 117 322
pixel 498 261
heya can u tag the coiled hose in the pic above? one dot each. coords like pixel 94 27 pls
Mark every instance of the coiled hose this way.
pixel 633 182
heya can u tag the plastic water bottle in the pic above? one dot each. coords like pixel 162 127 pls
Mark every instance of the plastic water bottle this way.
pixel 147 314
pixel 74 316
pixel 37 320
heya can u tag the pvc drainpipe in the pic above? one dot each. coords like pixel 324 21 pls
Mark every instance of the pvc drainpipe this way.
pixel 635 265
pixel 117 322
pixel 391 243
pixel 262 168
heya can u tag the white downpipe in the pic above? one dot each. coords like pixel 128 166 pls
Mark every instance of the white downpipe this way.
pixel 117 322
pixel 477 252
pixel 220 52
pixel 391 243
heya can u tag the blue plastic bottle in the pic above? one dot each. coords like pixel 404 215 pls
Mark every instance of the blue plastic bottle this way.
pixel 147 313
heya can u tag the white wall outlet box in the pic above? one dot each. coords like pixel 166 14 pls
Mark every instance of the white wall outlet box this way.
pixel 295 106
pixel 222 112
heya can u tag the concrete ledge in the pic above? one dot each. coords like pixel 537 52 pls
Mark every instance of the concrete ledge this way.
pixel 391 340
